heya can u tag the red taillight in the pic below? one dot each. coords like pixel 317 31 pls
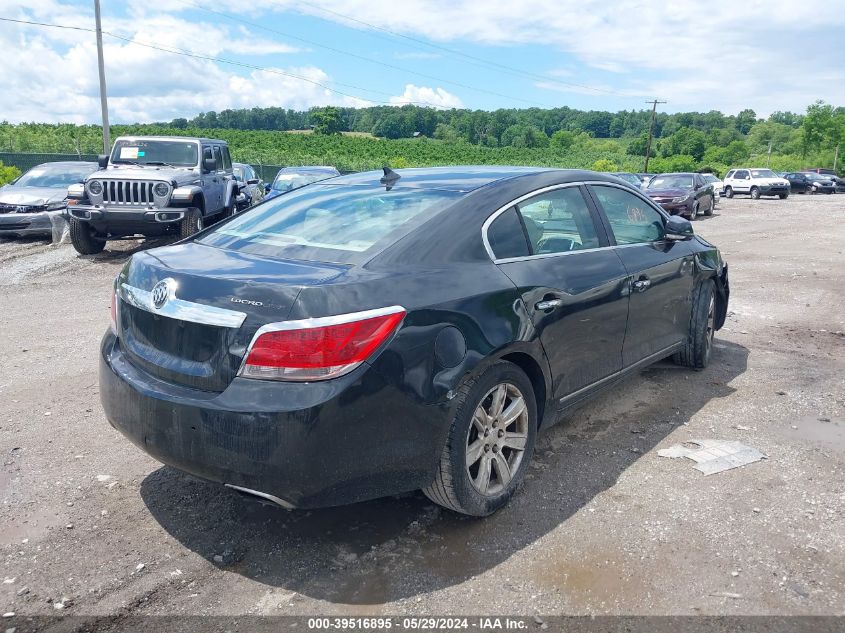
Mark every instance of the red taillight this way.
pixel 317 349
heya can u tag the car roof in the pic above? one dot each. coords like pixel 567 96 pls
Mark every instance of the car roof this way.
pixel 170 138
pixel 327 168
pixel 463 178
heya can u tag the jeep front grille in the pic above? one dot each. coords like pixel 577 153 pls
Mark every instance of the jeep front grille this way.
pixel 138 192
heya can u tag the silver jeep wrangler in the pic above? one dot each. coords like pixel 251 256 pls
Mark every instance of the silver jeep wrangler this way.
pixel 152 186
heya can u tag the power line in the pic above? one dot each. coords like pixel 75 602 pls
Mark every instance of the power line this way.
pixel 503 67
pixel 363 57
pixel 185 53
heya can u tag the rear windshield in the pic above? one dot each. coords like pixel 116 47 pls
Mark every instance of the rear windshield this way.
pixel 288 181
pixel 331 223
pixel 763 173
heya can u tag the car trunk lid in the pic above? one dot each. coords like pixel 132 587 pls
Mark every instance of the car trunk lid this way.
pixel 198 335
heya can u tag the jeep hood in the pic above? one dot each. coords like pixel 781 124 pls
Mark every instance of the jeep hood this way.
pixel 181 175
pixel 31 196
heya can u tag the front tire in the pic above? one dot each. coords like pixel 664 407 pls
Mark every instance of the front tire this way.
pixel 191 223
pixel 755 193
pixel 783 196
pixel 699 346
pixel 83 239
pixel 490 442
pixel 729 192
pixel 709 211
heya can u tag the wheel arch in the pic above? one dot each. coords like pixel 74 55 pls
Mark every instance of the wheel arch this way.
pixel 532 369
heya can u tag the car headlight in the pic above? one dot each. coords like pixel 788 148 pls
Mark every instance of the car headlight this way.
pixel 161 189
pixel 95 187
pixel 680 199
pixel 55 206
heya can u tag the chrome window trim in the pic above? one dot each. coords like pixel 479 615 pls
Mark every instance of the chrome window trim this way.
pixel 502 209
pixel 315 322
pixel 182 310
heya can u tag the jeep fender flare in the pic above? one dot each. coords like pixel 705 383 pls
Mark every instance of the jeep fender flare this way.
pixel 231 196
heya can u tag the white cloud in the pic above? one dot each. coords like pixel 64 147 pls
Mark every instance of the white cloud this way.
pixel 50 74
pixel 729 55
pixel 422 95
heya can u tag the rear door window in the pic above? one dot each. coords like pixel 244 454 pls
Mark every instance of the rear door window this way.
pixel 558 221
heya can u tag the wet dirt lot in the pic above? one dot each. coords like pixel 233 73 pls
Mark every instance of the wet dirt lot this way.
pixel 603 525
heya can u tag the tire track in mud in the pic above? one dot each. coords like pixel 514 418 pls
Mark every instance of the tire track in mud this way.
pixel 20 262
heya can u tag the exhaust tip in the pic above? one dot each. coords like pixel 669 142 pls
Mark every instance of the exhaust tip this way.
pixel 262 495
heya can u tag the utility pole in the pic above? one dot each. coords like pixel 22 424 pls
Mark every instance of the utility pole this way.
pixel 769 155
pixel 650 131
pixel 835 157
pixel 104 105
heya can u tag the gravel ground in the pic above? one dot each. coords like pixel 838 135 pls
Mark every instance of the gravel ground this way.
pixel 603 525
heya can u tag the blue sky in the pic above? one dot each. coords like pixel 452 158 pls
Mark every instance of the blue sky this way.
pixel 587 54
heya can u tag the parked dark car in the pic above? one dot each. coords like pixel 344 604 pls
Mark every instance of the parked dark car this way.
pixel 27 204
pixel 251 189
pixel 820 183
pixel 685 194
pixel 383 333
pixel 290 178
pixel 798 182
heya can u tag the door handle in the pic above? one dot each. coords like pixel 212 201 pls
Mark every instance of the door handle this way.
pixel 641 285
pixel 548 304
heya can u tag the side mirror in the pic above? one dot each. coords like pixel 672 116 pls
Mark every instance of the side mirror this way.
pixel 678 228
pixel 252 181
pixel 209 164
pixel 267 188
pixel 103 161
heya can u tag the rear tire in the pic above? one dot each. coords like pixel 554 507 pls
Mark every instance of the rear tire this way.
pixel 485 456
pixel 729 192
pixel 755 193
pixel 783 196
pixel 83 239
pixel 697 350
pixel 191 223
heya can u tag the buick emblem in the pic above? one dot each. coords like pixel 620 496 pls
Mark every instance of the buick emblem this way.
pixel 162 292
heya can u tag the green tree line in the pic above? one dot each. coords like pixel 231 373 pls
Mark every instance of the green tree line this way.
pixel 414 136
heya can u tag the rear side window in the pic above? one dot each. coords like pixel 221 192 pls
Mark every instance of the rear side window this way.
pixel 329 223
pixel 506 237
pixel 558 221
pixel 632 219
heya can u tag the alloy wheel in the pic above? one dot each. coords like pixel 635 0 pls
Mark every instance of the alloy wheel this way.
pixel 496 439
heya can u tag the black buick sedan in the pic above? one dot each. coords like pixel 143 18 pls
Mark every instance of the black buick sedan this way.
pixel 380 333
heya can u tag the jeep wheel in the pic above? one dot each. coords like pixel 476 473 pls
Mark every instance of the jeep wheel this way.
pixel 755 193
pixel 232 209
pixel 729 192
pixel 83 239
pixel 191 223
pixel 702 327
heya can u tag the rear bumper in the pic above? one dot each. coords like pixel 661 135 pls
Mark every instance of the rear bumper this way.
pixel 20 224
pixel 349 439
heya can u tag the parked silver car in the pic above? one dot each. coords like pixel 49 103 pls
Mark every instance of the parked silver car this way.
pixel 27 203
